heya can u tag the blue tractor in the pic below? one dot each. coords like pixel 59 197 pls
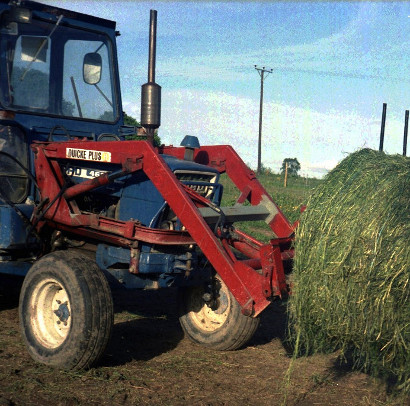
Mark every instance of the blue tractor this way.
pixel 83 209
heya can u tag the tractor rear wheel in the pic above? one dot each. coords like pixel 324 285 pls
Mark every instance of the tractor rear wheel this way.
pixel 220 325
pixel 66 310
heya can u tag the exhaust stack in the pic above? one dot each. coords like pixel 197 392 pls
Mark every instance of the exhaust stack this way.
pixel 151 91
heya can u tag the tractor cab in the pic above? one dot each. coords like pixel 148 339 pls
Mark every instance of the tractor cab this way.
pixel 59 67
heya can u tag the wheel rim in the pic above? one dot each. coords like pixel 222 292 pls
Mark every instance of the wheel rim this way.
pixel 50 313
pixel 210 318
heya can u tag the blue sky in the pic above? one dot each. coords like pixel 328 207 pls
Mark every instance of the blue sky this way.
pixel 334 65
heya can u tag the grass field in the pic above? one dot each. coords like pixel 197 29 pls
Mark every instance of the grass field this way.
pixel 289 199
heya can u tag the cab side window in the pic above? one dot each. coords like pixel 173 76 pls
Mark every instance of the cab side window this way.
pixel 30 76
pixel 13 179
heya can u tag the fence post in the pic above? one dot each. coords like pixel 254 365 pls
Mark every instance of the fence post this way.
pixel 406 129
pixel 382 127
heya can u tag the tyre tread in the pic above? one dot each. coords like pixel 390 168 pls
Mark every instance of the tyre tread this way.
pixel 235 333
pixel 80 274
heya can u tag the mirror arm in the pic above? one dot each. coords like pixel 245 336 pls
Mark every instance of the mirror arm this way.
pixel 103 95
pixel 102 44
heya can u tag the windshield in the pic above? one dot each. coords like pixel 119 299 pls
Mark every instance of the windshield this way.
pixel 42 71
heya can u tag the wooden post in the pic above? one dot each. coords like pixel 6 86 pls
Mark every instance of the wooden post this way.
pixel 406 129
pixel 286 175
pixel 382 127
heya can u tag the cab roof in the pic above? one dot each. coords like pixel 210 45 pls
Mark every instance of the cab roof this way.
pixel 45 8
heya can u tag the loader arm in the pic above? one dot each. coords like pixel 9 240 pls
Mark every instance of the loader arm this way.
pixel 252 288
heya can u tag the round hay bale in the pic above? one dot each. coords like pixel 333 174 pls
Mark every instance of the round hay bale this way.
pixel 352 266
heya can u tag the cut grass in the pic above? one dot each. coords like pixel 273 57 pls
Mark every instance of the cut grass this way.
pixel 351 272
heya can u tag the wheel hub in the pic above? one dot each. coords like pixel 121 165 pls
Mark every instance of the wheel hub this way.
pixel 210 312
pixel 51 313
pixel 62 312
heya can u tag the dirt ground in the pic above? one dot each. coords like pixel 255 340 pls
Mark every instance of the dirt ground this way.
pixel 149 362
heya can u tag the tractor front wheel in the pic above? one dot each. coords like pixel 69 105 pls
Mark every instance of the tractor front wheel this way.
pixel 66 310
pixel 219 325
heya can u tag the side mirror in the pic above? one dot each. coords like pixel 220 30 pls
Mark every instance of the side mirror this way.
pixel 92 68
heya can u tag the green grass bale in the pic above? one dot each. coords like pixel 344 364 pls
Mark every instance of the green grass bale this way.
pixel 352 267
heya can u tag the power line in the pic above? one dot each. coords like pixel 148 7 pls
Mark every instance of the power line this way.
pixel 263 73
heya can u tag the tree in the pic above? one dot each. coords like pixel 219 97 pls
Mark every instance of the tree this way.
pixel 33 90
pixel 128 120
pixel 67 108
pixel 107 116
pixel 293 166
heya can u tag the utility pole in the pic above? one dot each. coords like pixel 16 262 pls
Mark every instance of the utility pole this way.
pixel 263 73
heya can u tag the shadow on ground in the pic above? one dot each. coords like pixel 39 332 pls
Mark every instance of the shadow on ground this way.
pixel 9 291
pixel 273 324
pixel 152 326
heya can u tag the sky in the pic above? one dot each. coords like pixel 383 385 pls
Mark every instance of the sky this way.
pixel 333 65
